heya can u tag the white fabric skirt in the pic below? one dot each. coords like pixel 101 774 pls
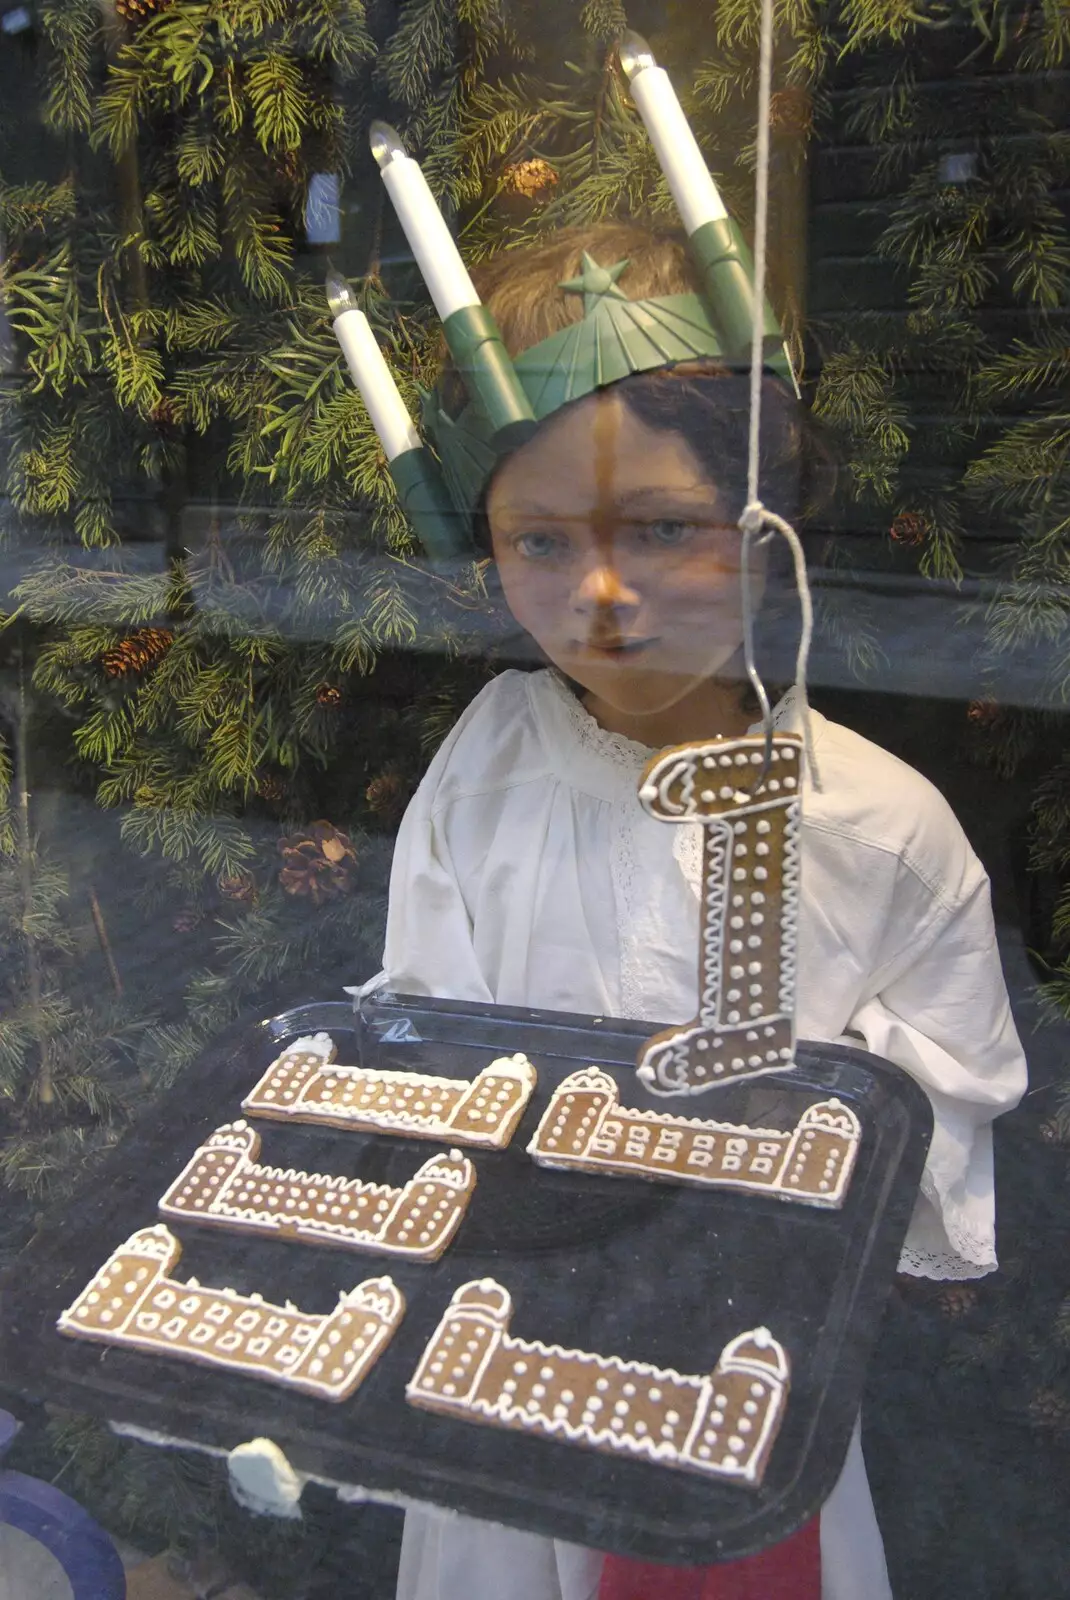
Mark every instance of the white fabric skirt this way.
pixel 445 1556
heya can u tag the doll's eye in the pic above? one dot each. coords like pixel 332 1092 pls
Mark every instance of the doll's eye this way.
pixel 666 532
pixel 540 546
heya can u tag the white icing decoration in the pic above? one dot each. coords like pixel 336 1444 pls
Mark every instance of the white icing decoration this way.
pixel 223 1170
pixel 703 1054
pixel 263 1481
pixel 306 1086
pixel 251 1336
pixel 691 1150
pixel 484 1397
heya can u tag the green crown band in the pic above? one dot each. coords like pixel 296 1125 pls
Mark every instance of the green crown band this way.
pixel 615 338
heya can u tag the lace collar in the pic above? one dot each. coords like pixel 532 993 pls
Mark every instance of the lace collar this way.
pixel 590 758
pixel 584 755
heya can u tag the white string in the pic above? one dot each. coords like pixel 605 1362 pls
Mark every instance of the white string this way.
pixel 761 229
pixel 756 519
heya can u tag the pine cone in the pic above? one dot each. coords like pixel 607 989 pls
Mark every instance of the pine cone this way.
pixel 1050 1409
pixel 137 652
pixel 1052 1131
pixel 164 412
pixel 791 111
pixel 957 1299
pixel 386 795
pixel 983 712
pixel 270 787
pixel 239 886
pixel 532 179
pixel 329 695
pixel 320 863
pixel 139 10
pixel 909 527
pixel 188 921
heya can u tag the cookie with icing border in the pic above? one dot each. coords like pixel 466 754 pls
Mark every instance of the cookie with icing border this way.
pixel 586 1128
pixel 134 1303
pixel 305 1084
pixel 223 1186
pixel 722 1423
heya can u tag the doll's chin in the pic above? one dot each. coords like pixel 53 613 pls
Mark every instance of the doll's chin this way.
pixel 645 696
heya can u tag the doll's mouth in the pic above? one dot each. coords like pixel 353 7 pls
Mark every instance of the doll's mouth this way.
pixel 618 647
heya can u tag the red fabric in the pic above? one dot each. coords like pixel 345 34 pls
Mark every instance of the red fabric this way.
pixel 790 1570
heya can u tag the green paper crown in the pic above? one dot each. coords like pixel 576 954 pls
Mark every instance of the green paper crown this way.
pixel 615 338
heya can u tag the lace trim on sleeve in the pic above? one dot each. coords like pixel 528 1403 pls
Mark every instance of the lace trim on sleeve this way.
pixel 941 1264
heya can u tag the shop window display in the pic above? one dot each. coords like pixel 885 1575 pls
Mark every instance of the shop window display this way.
pixel 246 604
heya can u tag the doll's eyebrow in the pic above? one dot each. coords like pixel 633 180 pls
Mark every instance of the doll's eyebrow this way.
pixel 671 498
pixel 666 500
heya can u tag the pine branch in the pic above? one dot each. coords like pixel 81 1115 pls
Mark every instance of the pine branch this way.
pixel 27 209
pixel 71 29
pixel 279 101
pixel 421 47
pixel 1028 366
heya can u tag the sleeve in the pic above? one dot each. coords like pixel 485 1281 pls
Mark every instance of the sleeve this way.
pixel 429 946
pixel 941 1013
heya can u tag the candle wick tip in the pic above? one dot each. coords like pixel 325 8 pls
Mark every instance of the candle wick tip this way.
pixel 634 53
pixel 386 143
pixel 339 295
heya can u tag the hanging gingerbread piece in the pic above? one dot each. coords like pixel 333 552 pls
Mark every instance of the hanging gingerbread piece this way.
pixel 750 905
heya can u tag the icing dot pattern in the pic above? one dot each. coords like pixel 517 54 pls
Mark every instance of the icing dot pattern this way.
pixel 223 1186
pixel 604 1403
pixel 219 1327
pixel 304 1086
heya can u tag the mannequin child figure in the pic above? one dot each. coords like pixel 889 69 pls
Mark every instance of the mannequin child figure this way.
pixel 527 874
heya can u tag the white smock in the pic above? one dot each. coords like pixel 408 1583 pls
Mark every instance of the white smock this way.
pixel 526 874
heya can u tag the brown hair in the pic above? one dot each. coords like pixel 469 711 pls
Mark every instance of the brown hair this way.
pixel 705 401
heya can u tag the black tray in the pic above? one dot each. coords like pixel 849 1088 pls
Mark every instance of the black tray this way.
pixel 652 1272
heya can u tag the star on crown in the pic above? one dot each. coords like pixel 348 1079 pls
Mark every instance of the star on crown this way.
pixel 595 283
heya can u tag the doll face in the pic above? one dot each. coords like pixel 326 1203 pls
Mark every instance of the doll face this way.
pixel 617 555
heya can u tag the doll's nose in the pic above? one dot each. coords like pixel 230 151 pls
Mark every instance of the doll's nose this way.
pixel 603 589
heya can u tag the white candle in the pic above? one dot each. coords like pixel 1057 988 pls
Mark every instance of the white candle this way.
pixel 437 256
pixel 372 376
pixel 694 191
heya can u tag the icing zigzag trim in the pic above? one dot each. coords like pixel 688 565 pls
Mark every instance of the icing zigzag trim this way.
pixel 305 1084
pixel 722 1424
pixel 585 1126
pixel 222 1186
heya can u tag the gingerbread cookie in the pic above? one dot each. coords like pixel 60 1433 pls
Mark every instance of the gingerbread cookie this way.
pixel 750 910
pixel 721 1423
pixel 222 1185
pixel 306 1085
pixel 132 1301
pixel 584 1126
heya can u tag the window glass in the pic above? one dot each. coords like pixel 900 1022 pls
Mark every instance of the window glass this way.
pixel 379 440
